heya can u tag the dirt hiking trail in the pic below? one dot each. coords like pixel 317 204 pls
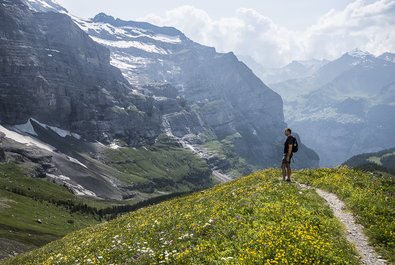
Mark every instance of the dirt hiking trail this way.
pixel 355 234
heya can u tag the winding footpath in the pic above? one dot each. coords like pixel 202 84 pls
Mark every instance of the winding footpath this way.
pixel 355 234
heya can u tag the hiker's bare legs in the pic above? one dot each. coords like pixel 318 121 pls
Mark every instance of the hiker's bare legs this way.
pixel 284 169
pixel 289 171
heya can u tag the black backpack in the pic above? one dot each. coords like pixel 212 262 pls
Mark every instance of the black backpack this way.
pixel 295 146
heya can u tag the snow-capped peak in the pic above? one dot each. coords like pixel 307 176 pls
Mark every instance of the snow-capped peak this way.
pixel 390 57
pixel 125 35
pixel 45 6
pixel 357 53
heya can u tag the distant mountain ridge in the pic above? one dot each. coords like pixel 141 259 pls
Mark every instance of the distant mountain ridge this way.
pixel 388 57
pixel 294 70
pixel 348 103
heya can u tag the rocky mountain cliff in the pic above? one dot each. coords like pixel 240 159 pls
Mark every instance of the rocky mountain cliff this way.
pixel 55 73
pixel 236 112
pixel 346 107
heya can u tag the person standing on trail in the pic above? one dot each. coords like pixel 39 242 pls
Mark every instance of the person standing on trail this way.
pixel 290 146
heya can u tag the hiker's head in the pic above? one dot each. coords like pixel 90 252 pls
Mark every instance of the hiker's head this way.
pixel 287 132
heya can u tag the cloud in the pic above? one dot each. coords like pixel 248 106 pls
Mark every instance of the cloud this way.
pixel 361 24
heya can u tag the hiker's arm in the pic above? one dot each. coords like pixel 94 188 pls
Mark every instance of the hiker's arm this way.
pixel 289 152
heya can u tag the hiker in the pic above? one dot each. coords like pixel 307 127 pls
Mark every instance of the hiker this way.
pixel 290 146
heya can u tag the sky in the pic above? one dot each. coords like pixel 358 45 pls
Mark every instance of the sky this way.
pixel 273 33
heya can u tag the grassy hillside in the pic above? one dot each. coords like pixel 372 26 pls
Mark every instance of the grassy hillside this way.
pixel 165 166
pixel 226 149
pixel 257 219
pixel 370 196
pixel 382 161
pixel 35 211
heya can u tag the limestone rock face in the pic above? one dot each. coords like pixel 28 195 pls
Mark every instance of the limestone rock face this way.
pixel 52 71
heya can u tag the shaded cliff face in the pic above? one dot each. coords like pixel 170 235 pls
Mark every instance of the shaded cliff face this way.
pixel 52 71
pixel 236 112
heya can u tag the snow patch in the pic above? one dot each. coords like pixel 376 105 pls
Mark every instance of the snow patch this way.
pixel 76 188
pixel 121 65
pixel 24 139
pixel 58 177
pixel 359 54
pixel 167 38
pixel 124 33
pixel 45 6
pixel 25 128
pixel 52 50
pixel 390 57
pixel 75 161
pixel 81 191
pixel 114 146
pixel 18 136
pixel 43 3
pixel 126 61
pixel 58 131
pixel 131 44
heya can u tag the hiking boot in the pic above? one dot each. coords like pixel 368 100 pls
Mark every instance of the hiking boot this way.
pixel 288 180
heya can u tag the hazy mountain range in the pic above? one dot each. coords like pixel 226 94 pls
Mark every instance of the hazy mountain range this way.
pixel 345 107
pixel 294 70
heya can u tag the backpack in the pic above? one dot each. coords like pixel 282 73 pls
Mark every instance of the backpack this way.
pixel 295 146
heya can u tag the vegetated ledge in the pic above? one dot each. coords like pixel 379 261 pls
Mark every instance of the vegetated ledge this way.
pixel 256 219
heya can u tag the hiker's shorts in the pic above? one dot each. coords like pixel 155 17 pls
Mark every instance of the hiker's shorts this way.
pixel 285 159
